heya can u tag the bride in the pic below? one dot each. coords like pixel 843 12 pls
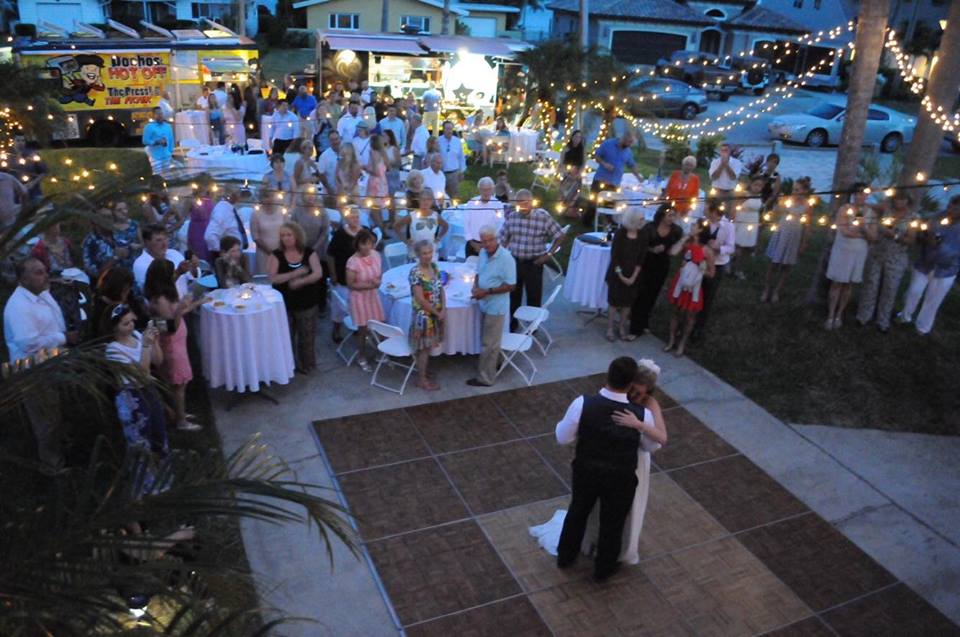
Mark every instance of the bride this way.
pixel 653 437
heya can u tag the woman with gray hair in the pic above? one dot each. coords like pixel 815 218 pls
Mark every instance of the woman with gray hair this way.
pixel 429 311
pixel 626 256
pixel 683 186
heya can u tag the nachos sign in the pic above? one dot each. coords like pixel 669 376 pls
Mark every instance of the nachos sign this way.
pixel 109 80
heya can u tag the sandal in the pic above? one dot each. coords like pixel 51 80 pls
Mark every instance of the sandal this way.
pixel 627 336
pixel 611 336
pixel 668 347
pixel 428 386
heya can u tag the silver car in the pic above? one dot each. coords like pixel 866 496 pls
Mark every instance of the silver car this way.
pixel 822 124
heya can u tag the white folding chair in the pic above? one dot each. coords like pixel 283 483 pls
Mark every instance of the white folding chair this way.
pixel 456 247
pixel 526 314
pixel 395 253
pixel 392 344
pixel 472 261
pixel 514 344
pixel 558 272
pixel 348 324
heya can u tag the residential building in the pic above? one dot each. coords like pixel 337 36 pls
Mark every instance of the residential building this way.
pixel 488 20
pixel 723 27
pixel 412 16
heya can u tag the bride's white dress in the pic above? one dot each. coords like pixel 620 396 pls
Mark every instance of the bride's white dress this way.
pixel 548 534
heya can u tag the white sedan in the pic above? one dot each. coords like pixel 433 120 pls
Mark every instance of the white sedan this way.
pixel 822 124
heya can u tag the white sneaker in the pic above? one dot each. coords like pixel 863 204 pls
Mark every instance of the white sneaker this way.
pixel 186 425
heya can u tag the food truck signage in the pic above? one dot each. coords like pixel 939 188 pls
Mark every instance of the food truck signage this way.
pixel 109 80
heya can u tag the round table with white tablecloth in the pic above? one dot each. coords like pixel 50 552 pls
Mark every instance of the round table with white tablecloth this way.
pixel 245 342
pixel 523 145
pixel 221 162
pixel 192 125
pixel 461 333
pixel 586 272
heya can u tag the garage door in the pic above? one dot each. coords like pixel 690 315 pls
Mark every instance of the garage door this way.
pixel 645 47
pixel 481 27
pixel 62 14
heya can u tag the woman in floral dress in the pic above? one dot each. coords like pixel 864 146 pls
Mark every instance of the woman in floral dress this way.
pixel 429 311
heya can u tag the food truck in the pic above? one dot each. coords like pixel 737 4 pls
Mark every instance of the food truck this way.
pixel 469 71
pixel 109 82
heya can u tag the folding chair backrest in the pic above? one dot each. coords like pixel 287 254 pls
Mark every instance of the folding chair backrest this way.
pixel 532 326
pixel 384 330
pixel 395 253
pixel 552 297
pixel 340 301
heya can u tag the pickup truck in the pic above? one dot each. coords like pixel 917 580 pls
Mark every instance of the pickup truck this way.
pixel 717 76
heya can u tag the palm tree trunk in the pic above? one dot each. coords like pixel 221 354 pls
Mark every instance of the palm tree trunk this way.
pixel 942 91
pixel 445 23
pixel 584 33
pixel 871 28
pixel 385 16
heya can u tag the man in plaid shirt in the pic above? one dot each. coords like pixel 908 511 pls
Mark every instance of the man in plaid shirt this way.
pixel 525 234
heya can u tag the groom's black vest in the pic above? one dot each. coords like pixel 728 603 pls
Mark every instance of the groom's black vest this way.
pixel 603 445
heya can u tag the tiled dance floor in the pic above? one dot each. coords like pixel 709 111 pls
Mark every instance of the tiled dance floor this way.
pixel 443 495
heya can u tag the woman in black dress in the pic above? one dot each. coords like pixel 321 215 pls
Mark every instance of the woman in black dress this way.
pixel 572 169
pixel 660 236
pixel 626 257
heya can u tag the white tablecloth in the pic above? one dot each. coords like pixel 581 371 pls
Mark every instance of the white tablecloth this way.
pixel 462 330
pixel 456 218
pixel 586 274
pixel 219 161
pixel 192 125
pixel 523 145
pixel 243 348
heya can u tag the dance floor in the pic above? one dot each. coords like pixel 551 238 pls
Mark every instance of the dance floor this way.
pixel 443 495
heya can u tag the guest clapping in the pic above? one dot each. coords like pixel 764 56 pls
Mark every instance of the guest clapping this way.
pixel 294 270
pixel 686 293
pixel 429 311
pixel 231 266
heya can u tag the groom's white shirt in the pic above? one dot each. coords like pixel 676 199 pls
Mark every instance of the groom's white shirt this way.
pixel 568 427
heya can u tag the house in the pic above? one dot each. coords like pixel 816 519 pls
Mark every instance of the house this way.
pixel 536 23
pixel 723 27
pixel 423 16
pixel 62 13
pixel 488 20
pixel 815 15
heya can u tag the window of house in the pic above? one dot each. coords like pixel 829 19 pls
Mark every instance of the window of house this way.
pixel 716 14
pixel 348 21
pixel 418 22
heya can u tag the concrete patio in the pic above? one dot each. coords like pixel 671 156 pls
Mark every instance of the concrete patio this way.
pixel 892 497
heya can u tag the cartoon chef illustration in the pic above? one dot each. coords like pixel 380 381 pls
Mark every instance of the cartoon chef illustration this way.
pixel 80 75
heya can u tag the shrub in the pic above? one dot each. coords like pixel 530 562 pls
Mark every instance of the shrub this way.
pixel 274 29
pixel 707 148
pixel 677 143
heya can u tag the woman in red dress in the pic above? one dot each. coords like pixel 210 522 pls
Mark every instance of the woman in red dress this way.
pixel 686 293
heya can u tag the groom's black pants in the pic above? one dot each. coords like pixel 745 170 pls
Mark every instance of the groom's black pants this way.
pixel 615 490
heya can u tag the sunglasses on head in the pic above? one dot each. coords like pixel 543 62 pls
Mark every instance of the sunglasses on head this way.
pixel 118 311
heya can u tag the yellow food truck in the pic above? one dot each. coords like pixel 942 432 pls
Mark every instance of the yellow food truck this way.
pixel 109 82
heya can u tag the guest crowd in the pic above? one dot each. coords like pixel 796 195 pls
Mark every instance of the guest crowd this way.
pixel 387 168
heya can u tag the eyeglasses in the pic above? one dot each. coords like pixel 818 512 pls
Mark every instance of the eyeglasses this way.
pixel 118 311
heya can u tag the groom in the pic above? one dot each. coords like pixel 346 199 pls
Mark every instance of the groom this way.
pixel 604 468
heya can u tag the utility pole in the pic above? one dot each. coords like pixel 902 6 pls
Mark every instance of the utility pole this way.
pixel 242 17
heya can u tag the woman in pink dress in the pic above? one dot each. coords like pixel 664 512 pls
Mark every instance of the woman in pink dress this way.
pixel 378 189
pixel 363 279
pixel 168 310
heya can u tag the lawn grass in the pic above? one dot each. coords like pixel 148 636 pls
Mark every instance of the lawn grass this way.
pixel 131 164
pixel 781 357
pixel 278 62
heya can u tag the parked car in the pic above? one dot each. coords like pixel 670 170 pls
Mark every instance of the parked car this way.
pixel 821 125
pixel 666 97
pixel 716 76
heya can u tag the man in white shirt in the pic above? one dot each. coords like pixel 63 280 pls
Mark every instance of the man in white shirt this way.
pixel 482 210
pixel 286 128
pixel 203 102
pixel 454 162
pixel 347 126
pixel 418 143
pixel 221 94
pixel 156 245
pixel 720 235
pixel 395 125
pixel 604 467
pixel 724 172
pixel 166 106
pixel 431 99
pixel 434 179
pixel 328 170
pixel 33 321
pixel 225 221
pixel 361 143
